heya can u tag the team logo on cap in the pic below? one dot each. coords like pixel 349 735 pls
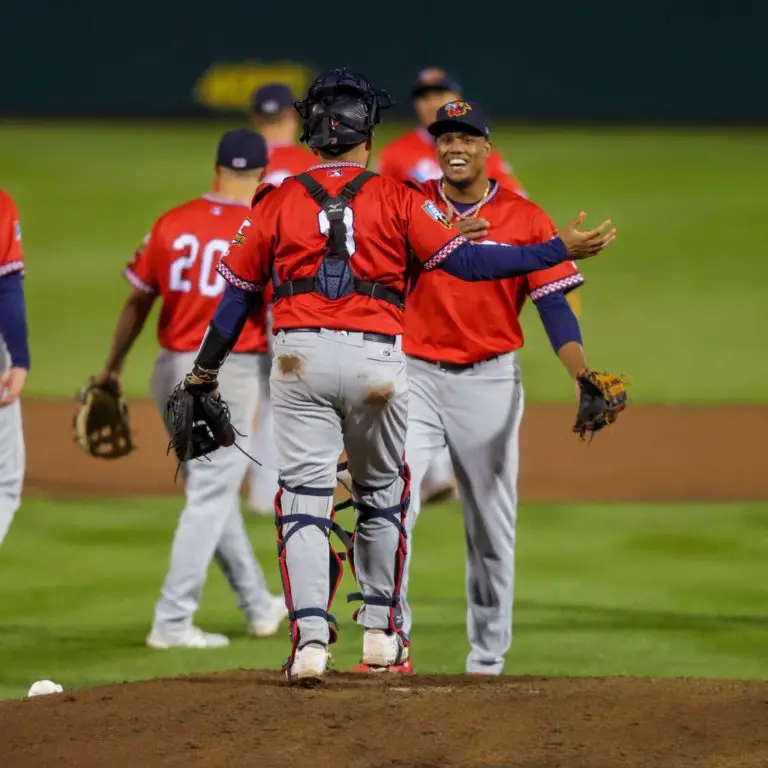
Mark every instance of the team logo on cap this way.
pixel 457 108
pixel 431 209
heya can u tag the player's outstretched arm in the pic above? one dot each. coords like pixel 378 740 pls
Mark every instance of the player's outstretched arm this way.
pixel 492 261
pixel 130 323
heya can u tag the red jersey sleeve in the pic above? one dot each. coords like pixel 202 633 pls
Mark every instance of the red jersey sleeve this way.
pixel 11 254
pixel 501 170
pixel 248 262
pixel 431 235
pixel 141 270
pixel 563 277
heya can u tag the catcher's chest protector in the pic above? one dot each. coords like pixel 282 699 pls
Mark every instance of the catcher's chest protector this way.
pixel 334 278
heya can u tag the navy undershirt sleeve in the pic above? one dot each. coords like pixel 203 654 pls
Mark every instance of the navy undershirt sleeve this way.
pixel 13 319
pixel 231 314
pixel 486 261
pixel 558 319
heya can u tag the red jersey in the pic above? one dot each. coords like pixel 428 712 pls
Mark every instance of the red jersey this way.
pixel 287 160
pixel 11 255
pixel 414 157
pixel 178 261
pixel 449 320
pixel 289 231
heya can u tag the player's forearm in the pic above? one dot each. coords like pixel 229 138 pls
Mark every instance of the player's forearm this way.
pixel 129 325
pixel 483 261
pixel 562 327
pixel 228 321
pixel 13 319
pixel 572 356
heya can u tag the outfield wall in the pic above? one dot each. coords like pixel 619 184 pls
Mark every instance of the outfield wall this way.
pixel 548 60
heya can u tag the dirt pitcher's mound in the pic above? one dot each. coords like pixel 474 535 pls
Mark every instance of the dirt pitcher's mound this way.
pixel 253 719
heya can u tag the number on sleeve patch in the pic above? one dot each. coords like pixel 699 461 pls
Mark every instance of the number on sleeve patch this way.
pixel 431 209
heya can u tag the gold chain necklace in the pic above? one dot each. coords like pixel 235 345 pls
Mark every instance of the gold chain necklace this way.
pixel 451 208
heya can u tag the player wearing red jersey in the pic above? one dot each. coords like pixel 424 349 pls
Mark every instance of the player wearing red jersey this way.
pixel 466 391
pixel 177 263
pixel 335 243
pixel 412 156
pixel 275 118
pixel 14 361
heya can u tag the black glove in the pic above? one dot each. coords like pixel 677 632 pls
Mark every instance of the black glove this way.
pixel 197 419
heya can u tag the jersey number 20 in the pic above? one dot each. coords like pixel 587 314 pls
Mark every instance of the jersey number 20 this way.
pixel 210 283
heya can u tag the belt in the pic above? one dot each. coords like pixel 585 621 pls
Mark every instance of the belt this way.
pixel 445 365
pixel 384 338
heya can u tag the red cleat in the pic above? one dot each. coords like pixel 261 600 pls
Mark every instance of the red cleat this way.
pixel 406 668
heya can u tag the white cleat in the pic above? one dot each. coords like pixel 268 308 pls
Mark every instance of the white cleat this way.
pixel 268 624
pixel 189 637
pixel 383 650
pixel 309 664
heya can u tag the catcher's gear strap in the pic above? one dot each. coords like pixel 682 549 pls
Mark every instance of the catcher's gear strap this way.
pixel 334 278
pixel 397 516
pixel 335 559
pixel 261 193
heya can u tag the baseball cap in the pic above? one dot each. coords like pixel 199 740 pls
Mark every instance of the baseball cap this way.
pixel 460 115
pixel 242 150
pixel 271 99
pixel 434 79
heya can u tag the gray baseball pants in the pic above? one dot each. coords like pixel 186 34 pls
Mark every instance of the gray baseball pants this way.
pixel 211 523
pixel 332 390
pixel 476 412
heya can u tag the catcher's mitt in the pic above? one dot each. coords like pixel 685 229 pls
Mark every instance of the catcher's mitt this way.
pixel 197 420
pixel 603 398
pixel 101 423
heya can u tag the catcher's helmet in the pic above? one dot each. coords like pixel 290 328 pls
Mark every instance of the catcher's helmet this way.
pixel 340 111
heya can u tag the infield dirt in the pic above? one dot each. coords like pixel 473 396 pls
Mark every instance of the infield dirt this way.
pixel 243 719
pixel 653 453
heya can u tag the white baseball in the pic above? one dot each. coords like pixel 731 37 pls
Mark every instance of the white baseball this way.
pixel 44 687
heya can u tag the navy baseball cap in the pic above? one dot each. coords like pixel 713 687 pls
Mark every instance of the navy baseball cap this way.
pixel 465 116
pixel 242 150
pixel 434 79
pixel 271 99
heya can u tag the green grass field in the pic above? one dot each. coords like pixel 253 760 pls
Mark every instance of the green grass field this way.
pixel 602 589
pixel 680 303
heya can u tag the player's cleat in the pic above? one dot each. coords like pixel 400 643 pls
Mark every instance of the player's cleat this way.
pixel 189 637
pixel 268 624
pixel 406 668
pixel 384 652
pixel 309 664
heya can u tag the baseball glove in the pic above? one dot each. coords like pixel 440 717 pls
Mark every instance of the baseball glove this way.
pixel 603 397
pixel 101 423
pixel 197 420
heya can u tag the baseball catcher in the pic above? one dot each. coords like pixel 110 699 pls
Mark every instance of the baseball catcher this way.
pixel 101 422
pixel 602 398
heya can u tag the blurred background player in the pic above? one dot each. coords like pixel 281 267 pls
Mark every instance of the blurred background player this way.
pixel 412 156
pixel 178 263
pixel 14 361
pixel 466 390
pixel 274 117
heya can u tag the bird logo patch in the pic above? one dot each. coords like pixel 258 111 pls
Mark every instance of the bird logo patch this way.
pixel 457 108
pixel 239 238
pixel 431 209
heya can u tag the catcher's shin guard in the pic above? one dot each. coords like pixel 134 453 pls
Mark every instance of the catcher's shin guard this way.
pixel 335 563
pixel 396 515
